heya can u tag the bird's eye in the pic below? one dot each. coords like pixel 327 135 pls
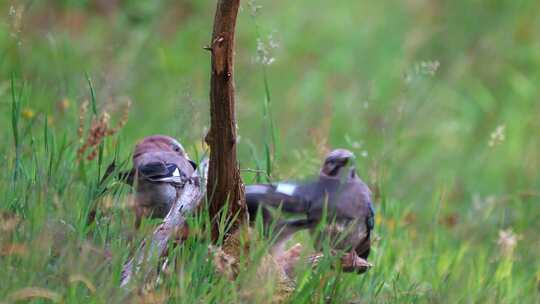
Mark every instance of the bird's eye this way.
pixel 177 149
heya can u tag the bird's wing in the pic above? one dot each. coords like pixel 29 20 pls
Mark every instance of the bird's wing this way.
pixel 368 212
pixel 290 197
pixel 287 197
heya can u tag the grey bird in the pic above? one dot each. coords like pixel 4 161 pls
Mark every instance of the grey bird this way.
pixel 160 169
pixel 338 192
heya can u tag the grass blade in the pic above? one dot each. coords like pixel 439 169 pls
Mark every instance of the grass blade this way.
pixel 15 116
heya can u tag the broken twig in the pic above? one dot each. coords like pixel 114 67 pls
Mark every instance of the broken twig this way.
pixel 186 203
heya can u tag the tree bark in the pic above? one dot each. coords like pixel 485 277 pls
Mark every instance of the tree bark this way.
pixel 224 181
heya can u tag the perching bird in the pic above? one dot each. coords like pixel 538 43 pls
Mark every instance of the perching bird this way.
pixel 160 169
pixel 338 191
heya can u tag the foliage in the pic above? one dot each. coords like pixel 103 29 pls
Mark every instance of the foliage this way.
pixel 438 99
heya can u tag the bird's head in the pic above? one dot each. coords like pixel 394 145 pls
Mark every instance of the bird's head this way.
pixel 159 148
pixel 336 163
pixel 158 143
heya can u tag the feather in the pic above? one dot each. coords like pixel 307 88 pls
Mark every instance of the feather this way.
pixel 287 189
pixel 257 189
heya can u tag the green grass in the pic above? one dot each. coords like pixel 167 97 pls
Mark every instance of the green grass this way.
pixel 415 88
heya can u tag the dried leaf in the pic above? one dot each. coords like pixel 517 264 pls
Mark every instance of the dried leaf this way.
pixel 224 263
pixel 352 262
pixel 450 220
pixel 8 221
pixel 151 298
pixel 289 259
pixel 410 218
pixel 14 249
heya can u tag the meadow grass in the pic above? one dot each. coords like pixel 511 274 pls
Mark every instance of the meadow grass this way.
pixel 439 101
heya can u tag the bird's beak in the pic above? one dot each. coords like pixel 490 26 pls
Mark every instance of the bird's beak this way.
pixel 348 160
pixel 349 157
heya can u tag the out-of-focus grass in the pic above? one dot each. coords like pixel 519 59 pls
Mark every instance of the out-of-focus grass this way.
pixel 439 100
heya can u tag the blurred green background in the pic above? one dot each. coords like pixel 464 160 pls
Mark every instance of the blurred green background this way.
pixel 438 99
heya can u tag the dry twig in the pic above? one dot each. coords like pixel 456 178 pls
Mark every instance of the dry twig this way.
pixel 187 202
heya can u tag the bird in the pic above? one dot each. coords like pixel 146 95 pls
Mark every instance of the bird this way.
pixel 161 167
pixel 338 192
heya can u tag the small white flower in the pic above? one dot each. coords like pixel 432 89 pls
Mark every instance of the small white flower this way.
pixel 272 43
pixel 254 7
pixel 497 136
pixel 507 242
pixel 422 68
pixel 483 203
pixel 263 51
pixel 429 67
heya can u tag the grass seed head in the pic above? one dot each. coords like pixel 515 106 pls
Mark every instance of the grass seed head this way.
pixel 99 129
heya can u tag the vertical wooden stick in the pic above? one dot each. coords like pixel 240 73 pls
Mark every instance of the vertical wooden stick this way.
pixel 224 181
